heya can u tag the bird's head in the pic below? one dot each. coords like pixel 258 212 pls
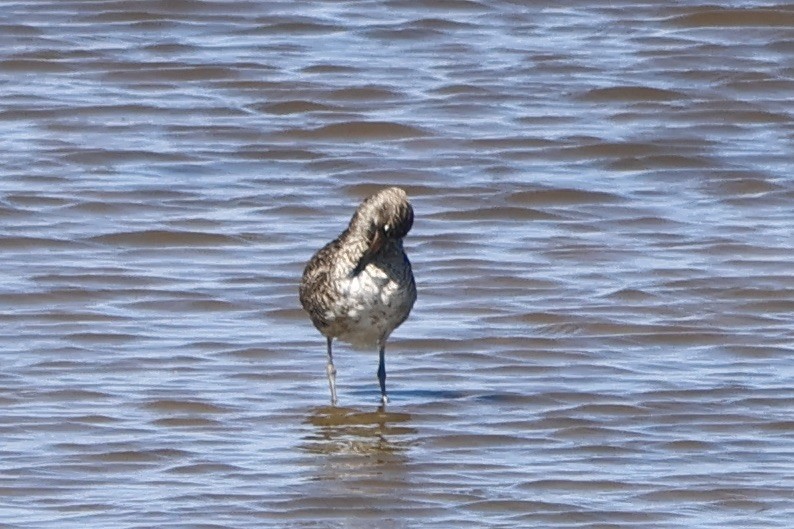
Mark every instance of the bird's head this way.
pixel 386 215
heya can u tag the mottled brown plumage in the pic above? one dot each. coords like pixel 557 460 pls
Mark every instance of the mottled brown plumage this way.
pixel 360 287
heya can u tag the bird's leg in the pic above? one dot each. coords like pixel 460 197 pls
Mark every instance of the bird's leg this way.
pixel 330 370
pixel 382 372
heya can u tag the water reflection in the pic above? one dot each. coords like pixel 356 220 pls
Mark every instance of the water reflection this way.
pixel 359 463
pixel 381 434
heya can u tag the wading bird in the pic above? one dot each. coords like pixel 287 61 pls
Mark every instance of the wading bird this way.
pixel 360 287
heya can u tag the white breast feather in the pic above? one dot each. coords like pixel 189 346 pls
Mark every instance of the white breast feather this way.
pixel 367 296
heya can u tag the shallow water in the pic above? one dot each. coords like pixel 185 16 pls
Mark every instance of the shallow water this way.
pixel 602 246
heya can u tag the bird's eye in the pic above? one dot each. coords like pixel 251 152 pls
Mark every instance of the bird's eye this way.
pixel 386 228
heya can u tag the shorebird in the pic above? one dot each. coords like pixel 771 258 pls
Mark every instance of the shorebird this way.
pixel 360 287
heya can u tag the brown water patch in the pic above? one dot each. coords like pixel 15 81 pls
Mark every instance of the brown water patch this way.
pixel 563 197
pixel 572 484
pixel 22 242
pixel 184 406
pixel 631 93
pixel 133 456
pixel 204 468
pixel 95 419
pixel 102 337
pixel 293 28
pixel 364 93
pixel 295 107
pixel 501 506
pixel 168 73
pixel 165 238
pixel 759 351
pixel 732 116
pixel 74 395
pixel 187 422
pixel 103 156
pixel 330 69
pixel 495 213
pixel 256 152
pixel 670 161
pixel 462 89
pixel 170 48
pixel 358 130
pixel 728 17
pixel 616 150
pixel 406 33
pixel 445 5
pixel 34 65
pixel 98 278
pixel 690 446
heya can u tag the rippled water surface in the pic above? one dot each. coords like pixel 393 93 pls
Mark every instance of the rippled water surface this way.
pixel 603 249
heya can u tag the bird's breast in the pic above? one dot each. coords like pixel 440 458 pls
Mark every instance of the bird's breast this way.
pixel 371 304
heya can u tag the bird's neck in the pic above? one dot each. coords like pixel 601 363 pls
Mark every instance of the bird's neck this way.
pixel 357 253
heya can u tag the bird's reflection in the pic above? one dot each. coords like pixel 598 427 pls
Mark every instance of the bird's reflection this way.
pixel 383 435
pixel 357 460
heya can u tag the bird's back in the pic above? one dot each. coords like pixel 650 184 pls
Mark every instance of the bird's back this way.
pixel 316 291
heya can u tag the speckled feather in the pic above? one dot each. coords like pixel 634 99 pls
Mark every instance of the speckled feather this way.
pixel 360 287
